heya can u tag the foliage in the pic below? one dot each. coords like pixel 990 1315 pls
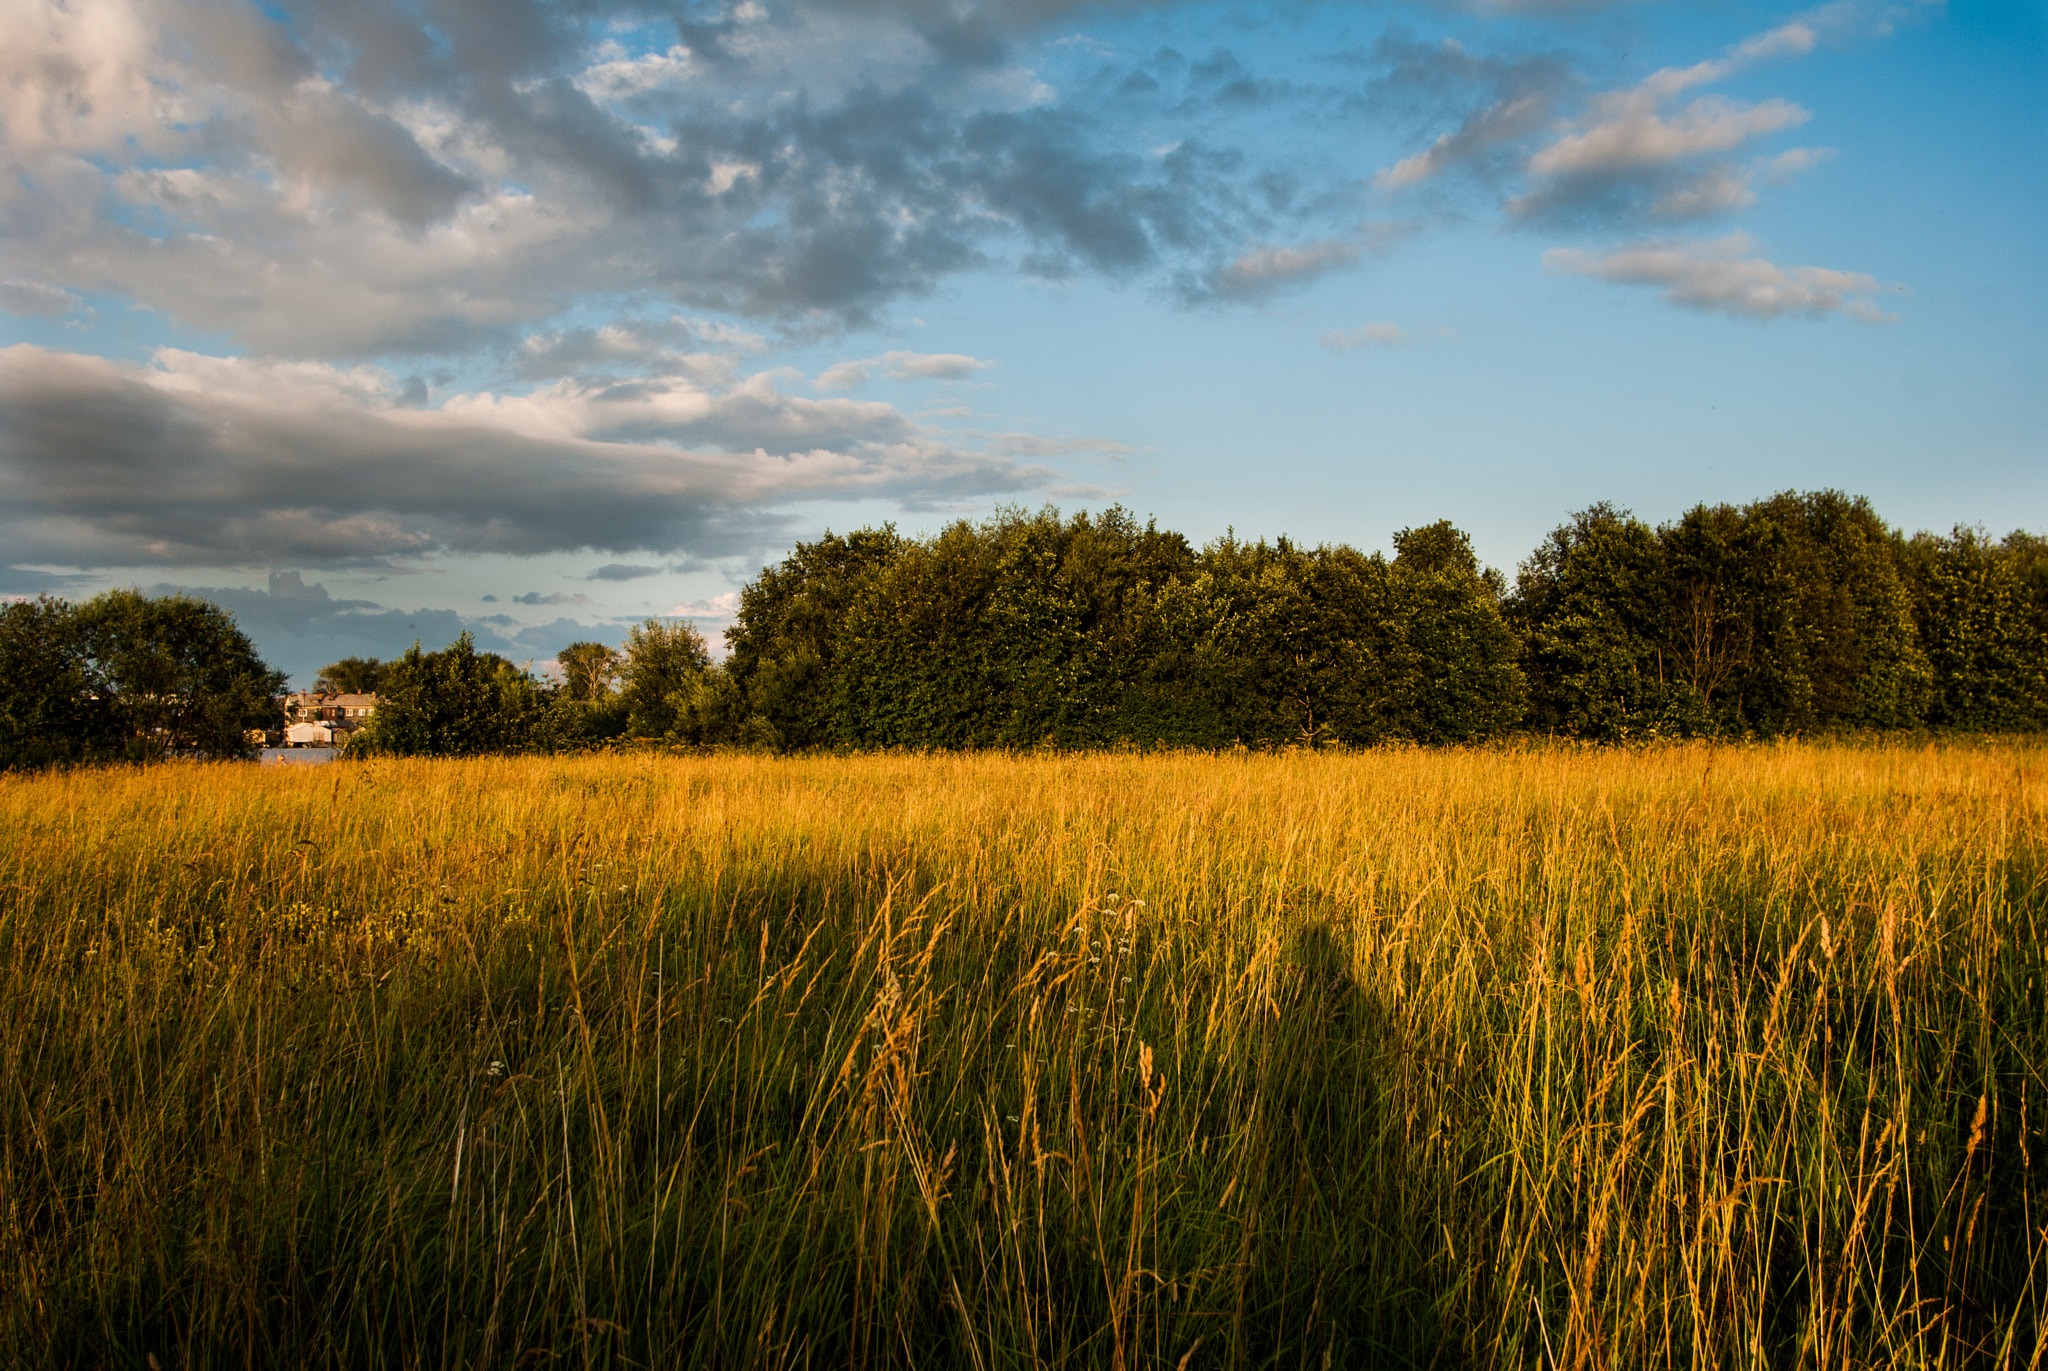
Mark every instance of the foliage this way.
pixel 589 670
pixel 1841 648
pixel 453 703
pixel 1978 608
pixel 177 674
pixel 1783 615
pixel 1792 614
pixel 51 709
pixel 783 645
pixel 350 676
pixel 1286 644
pixel 667 679
pixel 1022 630
pixel 1591 602
pixel 1031 629
pixel 1483 1058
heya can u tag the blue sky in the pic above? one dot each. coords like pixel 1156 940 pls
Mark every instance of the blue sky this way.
pixel 385 320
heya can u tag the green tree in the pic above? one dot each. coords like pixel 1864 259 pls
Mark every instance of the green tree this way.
pixel 1975 611
pixel 1024 629
pixel 1836 641
pixel 453 703
pixel 180 676
pixel 667 675
pixel 1449 658
pixel 349 676
pixel 1286 644
pixel 51 708
pixel 589 671
pixel 1592 604
pixel 784 642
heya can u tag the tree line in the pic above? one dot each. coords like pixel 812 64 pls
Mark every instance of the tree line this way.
pixel 1793 614
pixel 1798 613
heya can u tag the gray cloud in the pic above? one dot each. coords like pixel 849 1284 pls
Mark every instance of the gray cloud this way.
pixel 26 583
pixel 699 349
pixel 619 571
pixel 439 180
pixel 1494 104
pixel 901 366
pixel 35 298
pixel 534 597
pixel 224 461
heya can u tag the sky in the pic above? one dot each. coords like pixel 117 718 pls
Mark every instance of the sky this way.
pixel 381 320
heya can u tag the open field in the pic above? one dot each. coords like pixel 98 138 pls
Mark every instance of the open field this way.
pixel 1552 1058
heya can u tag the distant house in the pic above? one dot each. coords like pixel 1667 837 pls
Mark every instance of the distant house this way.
pixel 314 719
pixel 350 711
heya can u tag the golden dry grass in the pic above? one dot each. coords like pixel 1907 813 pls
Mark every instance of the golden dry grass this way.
pixel 1567 1058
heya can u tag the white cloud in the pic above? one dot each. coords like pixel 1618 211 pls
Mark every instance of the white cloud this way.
pixel 1717 276
pixel 1365 335
pixel 79 77
pixel 901 366
pixel 1717 190
pixel 1504 121
pixel 1793 161
pixel 1262 269
pixel 1638 154
pixel 1631 135
pixel 931 366
pixel 340 182
pixel 1795 39
pixel 723 607
pixel 843 376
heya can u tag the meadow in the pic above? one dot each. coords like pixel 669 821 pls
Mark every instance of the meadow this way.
pixel 1533 1058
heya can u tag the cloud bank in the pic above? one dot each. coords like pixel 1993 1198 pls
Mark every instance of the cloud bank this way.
pixel 226 461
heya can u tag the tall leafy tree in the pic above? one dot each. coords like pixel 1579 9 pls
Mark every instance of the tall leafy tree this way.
pixel 350 676
pixel 669 684
pixel 1841 650
pixel 1287 644
pixel 52 708
pixel 1025 629
pixel 1448 656
pixel 589 671
pixel 784 642
pixel 452 703
pixel 1592 605
pixel 178 673
pixel 1975 612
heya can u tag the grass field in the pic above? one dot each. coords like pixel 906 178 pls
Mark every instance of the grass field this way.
pixel 1551 1058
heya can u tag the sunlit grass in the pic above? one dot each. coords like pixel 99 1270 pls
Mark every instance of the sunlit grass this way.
pixel 1505 1059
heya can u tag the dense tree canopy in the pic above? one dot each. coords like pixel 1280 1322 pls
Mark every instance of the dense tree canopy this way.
pixel 454 702
pixel 51 707
pixel 667 675
pixel 126 675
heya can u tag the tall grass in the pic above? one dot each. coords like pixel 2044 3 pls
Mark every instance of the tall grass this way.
pixel 1549 1059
